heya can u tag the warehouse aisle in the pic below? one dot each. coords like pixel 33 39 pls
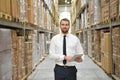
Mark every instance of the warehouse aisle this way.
pixel 87 70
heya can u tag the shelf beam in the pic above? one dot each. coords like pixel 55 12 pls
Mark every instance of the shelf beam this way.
pixel 105 26
pixel 14 25
pixel 115 24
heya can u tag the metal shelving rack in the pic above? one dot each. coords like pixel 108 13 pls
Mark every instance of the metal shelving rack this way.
pixel 109 26
pixel 6 24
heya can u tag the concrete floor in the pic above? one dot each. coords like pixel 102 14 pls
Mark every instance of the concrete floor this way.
pixel 87 70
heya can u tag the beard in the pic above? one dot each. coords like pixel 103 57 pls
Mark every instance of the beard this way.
pixel 64 30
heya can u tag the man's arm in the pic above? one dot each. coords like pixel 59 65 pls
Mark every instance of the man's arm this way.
pixel 52 52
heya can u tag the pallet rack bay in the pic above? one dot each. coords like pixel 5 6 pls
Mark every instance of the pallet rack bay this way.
pixel 98 28
pixel 23 37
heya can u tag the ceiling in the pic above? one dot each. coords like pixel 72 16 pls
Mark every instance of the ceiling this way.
pixel 64 2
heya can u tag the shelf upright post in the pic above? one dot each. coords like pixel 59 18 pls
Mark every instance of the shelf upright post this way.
pixel 24 45
pixel 111 50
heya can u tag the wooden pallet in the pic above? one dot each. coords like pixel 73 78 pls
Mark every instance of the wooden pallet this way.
pixel 114 18
pixel 23 22
pixel 5 16
pixel 105 21
pixel 31 24
pixel 15 19
pixel 97 24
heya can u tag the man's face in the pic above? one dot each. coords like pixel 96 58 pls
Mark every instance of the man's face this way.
pixel 64 26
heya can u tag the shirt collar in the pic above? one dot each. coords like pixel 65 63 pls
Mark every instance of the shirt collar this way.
pixel 64 34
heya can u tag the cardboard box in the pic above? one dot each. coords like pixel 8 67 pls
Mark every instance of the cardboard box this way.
pixel 5 65
pixel 5 39
pixel 30 14
pixel 107 43
pixel 2 6
pixel 107 63
pixel 15 8
pixel 23 11
pixel 30 2
pixel 8 7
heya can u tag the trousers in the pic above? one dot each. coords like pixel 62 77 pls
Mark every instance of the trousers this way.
pixel 65 72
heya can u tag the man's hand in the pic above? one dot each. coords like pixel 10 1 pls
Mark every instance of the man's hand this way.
pixel 78 59
pixel 68 58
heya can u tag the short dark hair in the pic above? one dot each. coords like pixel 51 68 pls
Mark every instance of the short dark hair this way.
pixel 65 19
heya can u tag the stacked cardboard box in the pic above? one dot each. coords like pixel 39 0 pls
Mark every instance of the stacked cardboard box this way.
pixel 34 53
pixel 45 19
pixel 30 11
pixel 18 68
pixel 5 9
pixel 114 9
pixel 116 50
pixel 5 55
pixel 97 12
pixel 40 7
pixel 8 7
pixel 14 55
pixel 15 9
pixel 23 11
pixel 2 6
pixel 97 46
pixel 28 48
pixel 119 7
pixel 35 7
pixel 102 50
pixel 5 65
pixel 20 52
pixel 105 11
pixel 105 51
pixel 91 13
pixel 74 10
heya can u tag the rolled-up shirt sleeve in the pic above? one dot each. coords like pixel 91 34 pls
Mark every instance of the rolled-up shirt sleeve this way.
pixel 53 52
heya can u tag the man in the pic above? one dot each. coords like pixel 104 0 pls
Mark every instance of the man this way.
pixel 62 49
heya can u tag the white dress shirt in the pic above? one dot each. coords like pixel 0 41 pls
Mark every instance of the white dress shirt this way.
pixel 73 47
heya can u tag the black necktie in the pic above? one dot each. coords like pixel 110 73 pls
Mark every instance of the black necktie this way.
pixel 64 48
